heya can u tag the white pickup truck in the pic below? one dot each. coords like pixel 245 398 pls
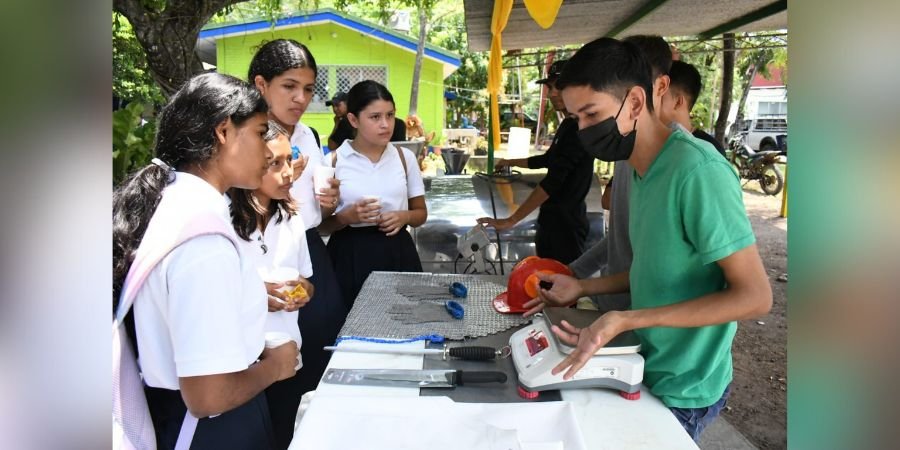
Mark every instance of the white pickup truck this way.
pixel 763 132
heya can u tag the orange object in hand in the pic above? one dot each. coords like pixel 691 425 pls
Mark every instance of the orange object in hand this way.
pixel 296 293
pixel 532 282
pixel 523 283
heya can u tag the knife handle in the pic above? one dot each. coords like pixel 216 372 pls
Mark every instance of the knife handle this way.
pixel 463 377
pixel 473 353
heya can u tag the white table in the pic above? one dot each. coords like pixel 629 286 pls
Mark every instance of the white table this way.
pixel 606 420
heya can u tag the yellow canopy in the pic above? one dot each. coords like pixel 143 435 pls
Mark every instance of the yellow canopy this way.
pixel 544 13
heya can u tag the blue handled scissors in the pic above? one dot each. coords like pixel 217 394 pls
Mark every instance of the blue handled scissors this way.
pixel 455 309
pixel 458 290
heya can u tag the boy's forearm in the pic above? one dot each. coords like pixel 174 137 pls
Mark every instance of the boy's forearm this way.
pixel 612 284
pixel 712 309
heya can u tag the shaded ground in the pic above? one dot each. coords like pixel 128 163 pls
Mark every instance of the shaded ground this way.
pixel 758 403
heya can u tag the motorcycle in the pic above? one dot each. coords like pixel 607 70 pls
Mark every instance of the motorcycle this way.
pixel 752 165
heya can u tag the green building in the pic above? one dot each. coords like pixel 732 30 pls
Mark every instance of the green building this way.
pixel 347 50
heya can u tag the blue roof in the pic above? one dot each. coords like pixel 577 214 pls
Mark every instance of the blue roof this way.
pixel 216 32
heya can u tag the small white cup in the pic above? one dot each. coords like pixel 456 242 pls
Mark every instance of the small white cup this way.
pixel 373 197
pixel 321 175
pixel 279 275
pixel 279 338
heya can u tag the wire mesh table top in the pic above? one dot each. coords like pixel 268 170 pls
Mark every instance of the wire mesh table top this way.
pixel 370 316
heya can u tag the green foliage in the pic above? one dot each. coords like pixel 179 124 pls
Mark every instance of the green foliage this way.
pixel 132 142
pixel 706 56
pixel 132 81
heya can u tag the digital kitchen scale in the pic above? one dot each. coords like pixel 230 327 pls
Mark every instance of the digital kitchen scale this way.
pixel 536 350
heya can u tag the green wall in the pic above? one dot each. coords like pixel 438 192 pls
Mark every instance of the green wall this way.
pixel 347 47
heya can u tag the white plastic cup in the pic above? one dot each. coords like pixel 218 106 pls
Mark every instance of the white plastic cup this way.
pixel 321 175
pixel 373 197
pixel 280 275
pixel 279 338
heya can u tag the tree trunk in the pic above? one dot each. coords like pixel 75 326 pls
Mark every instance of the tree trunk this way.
pixel 417 67
pixel 727 85
pixel 169 36
pixel 746 90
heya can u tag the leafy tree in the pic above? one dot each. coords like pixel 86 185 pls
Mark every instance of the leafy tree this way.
pixel 167 30
pixel 132 81
pixel 132 141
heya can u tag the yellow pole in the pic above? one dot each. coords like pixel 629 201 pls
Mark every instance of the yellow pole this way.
pixel 784 205
pixel 502 8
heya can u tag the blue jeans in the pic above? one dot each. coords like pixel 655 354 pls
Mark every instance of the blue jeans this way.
pixel 695 420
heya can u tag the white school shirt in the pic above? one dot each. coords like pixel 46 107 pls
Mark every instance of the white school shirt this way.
pixel 285 247
pixel 360 177
pixel 202 310
pixel 302 190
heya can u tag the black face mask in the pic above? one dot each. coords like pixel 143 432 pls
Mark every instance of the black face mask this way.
pixel 604 142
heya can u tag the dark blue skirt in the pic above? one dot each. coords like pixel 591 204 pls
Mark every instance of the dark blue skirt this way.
pixel 357 252
pixel 245 427
pixel 320 320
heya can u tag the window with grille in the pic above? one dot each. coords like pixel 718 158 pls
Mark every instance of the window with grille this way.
pixel 772 108
pixel 333 79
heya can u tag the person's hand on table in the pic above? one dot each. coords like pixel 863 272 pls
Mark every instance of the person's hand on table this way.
pixel 586 340
pixel 497 224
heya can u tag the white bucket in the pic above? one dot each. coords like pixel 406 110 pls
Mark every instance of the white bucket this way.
pixel 519 142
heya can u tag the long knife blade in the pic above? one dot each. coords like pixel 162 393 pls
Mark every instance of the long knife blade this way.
pixel 410 378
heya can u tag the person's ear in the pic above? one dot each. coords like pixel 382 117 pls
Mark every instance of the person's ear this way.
pixel 353 119
pixel 260 84
pixel 222 131
pixel 662 85
pixel 635 103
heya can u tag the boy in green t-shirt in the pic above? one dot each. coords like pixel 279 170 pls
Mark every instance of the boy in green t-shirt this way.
pixel 696 269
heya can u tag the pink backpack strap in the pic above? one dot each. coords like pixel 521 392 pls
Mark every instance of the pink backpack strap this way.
pixel 132 424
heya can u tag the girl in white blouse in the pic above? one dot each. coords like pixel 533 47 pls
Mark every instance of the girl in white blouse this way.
pixel 199 315
pixel 274 236
pixel 381 193
pixel 284 71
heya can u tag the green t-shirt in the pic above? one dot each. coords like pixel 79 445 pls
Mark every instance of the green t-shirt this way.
pixel 687 212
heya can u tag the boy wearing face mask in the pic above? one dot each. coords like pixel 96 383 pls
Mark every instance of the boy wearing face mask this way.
pixel 696 268
pixel 613 253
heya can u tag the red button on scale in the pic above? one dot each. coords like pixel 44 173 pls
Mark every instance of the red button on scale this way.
pixel 526 394
pixel 630 395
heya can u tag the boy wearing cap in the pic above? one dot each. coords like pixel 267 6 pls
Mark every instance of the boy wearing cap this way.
pixel 562 222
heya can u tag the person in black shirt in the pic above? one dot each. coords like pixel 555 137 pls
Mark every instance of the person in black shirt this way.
pixel 562 220
pixel 677 103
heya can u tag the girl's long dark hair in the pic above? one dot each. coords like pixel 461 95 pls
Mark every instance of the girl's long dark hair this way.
pixel 246 212
pixel 277 57
pixel 185 136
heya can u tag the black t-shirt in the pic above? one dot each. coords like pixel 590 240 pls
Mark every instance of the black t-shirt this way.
pixel 570 169
pixel 700 134
pixel 344 131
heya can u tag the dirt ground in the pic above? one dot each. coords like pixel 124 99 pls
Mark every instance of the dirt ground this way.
pixel 758 403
